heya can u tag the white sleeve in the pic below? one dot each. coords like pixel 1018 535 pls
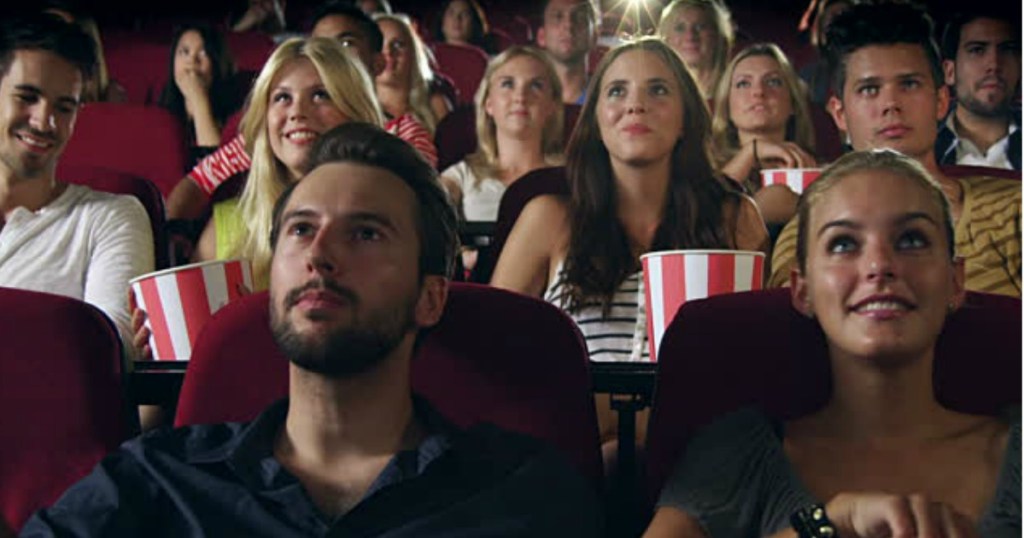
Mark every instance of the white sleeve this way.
pixel 122 249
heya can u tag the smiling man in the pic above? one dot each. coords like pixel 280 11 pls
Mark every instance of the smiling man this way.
pixel 57 237
pixel 890 93
pixel 363 249
pixel 981 61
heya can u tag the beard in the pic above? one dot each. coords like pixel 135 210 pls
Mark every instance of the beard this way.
pixel 993 110
pixel 344 351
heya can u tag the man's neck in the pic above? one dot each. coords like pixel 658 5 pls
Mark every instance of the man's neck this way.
pixel 30 193
pixel 982 131
pixel 574 79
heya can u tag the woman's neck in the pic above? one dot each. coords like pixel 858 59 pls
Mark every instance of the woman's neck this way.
pixel 640 193
pixel 393 99
pixel 771 135
pixel 517 156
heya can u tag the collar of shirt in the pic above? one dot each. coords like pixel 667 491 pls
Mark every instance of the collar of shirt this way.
pixel 967 153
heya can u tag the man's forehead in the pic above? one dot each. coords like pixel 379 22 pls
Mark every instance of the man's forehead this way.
pixel 567 5
pixel 987 30
pixel 336 25
pixel 342 187
pixel 45 72
pixel 887 60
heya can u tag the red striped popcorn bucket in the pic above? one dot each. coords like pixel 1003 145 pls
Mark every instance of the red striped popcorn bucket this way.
pixel 797 179
pixel 180 300
pixel 673 277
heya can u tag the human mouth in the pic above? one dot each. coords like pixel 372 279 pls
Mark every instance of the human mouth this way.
pixel 636 129
pixel 36 144
pixel 301 136
pixel 883 307
pixel 320 300
pixel 894 131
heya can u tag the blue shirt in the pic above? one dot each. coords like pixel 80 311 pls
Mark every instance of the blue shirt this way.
pixel 223 480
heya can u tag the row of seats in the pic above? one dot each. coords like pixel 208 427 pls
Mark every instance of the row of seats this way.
pixel 495 356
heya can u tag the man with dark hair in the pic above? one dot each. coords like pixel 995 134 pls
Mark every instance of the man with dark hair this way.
pixel 568 32
pixel 57 237
pixel 981 61
pixel 889 93
pixel 363 249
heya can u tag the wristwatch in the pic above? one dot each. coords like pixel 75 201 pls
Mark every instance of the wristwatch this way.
pixel 811 522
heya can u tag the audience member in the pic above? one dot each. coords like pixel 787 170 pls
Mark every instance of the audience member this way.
pixel 199 89
pixel 642 179
pixel 57 237
pixel 307 87
pixel 701 32
pixel 981 60
pixel 816 73
pixel 519 115
pixel 889 94
pixel 462 22
pixel 340 21
pixel 567 33
pixel 761 121
pixel 403 86
pixel 882 457
pixel 99 87
pixel 265 16
pixel 363 250
pixel 372 7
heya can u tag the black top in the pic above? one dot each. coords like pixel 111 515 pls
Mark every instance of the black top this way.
pixel 223 480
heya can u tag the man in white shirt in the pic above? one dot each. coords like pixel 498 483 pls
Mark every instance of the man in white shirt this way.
pixel 55 237
pixel 981 51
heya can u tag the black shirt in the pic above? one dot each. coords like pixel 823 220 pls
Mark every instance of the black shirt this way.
pixel 223 480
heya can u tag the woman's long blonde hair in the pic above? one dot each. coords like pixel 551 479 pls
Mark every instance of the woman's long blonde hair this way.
pixel 484 161
pixel 421 74
pixel 350 89
pixel 799 127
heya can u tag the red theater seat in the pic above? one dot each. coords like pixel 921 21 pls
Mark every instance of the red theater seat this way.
pixel 476 365
pixel 249 49
pixel 61 403
pixel 464 65
pixel 132 139
pixel 139 64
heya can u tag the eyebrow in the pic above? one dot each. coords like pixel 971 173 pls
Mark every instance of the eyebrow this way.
pixel 654 80
pixel 876 79
pixel 900 221
pixel 354 217
pixel 34 90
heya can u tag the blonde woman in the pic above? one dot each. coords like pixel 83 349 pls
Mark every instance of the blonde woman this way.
pixel 762 121
pixel 701 32
pixel 403 86
pixel 519 117
pixel 307 87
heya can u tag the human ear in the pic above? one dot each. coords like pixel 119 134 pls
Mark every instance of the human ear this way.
pixel 838 113
pixel 433 297
pixel 798 293
pixel 949 71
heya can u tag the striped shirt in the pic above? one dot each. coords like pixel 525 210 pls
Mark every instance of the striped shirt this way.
pixel 614 338
pixel 231 158
pixel 987 238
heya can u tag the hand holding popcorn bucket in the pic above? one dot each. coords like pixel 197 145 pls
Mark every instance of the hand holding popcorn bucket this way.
pixel 797 179
pixel 673 277
pixel 179 301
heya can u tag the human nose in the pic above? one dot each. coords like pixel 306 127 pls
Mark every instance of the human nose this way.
pixel 298 108
pixel 877 262
pixel 636 103
pixel 320 257
pixel 889 97
pixel 43 117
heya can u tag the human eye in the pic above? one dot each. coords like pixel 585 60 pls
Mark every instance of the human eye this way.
pixel 66 109
pixel 366 234
pixel 868 90
pixel 910 84
pixel 538 85
pixel 742 83
pixel 27 98
pixel 280 97
pixel 699 27
pixel 616 90
pixel 975 49
pixel 321 95
pixel 506 82
pixel 912 240
pixel 300 228
pixel 841 244
pixel 774 82
pixel 680 28
pixel 348 42
pixel 659 88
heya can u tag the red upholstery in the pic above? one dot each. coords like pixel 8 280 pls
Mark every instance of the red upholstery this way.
pixel 519 193
pixel 456 133
pixel 464 65
pixel 145 191
pixel 781 365
pixel 137 140
pixel 249 49
pixel 515 26
pixel 963 170
pixel 139 64
pixel 828 146
pixel 476 365
pixel 60 397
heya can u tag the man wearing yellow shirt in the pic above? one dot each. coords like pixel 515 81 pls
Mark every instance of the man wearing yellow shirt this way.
pixel 889 93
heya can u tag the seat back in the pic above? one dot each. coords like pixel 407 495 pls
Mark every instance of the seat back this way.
pixel 145 191
pixel 962 170
pixel 781 365
pixel 496 356
pixel 464 65
pixel 136 140
pixel 138 63
pixel 61 401
pixel 250 50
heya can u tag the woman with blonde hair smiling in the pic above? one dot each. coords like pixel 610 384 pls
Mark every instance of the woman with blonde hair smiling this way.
pixel 701 32
pixel 307 87
pixel 519 118
pixel 762 121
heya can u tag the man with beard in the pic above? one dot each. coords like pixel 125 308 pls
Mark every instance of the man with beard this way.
pixel 57 237
pixel 567 33
pixel 363 249
pixel 981 51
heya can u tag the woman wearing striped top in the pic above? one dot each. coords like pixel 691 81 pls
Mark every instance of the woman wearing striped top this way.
pixel 641 179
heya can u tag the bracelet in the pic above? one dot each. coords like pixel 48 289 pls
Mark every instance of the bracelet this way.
pixel 811 522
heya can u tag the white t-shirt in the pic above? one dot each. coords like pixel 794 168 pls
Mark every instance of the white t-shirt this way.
pixel 479 201
pixel 85 244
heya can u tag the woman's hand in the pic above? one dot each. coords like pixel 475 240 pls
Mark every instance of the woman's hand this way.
pixel 789 154
pixel 193 88
pixel 869 515
pixel 140 333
